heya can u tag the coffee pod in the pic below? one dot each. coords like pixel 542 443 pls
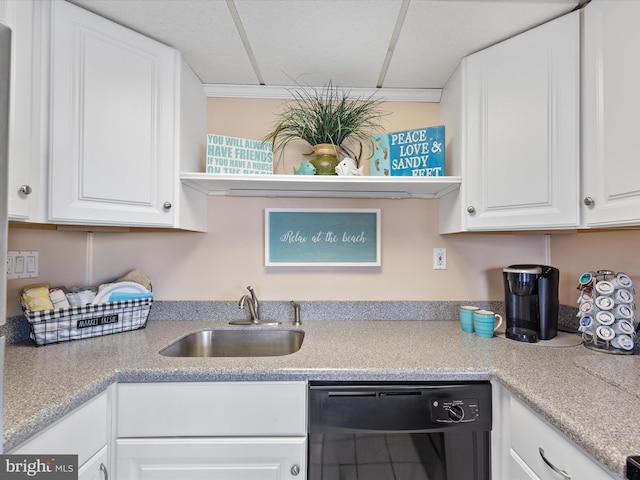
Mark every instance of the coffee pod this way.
pixel 623 280
pixel 624 311
pixel 586 307
pixel 623 342
pixel 605 317
pixel 624 296
pixel 586 278
pixel 586 322
pixel 604 287
pixel 623 327
pixel 605 303
pixel 606 333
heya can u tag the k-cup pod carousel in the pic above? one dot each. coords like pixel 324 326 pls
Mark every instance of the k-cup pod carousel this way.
pixel 607 312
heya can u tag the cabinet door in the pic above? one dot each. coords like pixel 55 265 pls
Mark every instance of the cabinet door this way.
pixel 521 149
pixel 96 468
pixel 611 100
pixel 113 123
pixel 211 458
pixel 27 167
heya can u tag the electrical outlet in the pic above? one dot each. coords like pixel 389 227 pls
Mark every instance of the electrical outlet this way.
pixel 22 264
pixel 439 258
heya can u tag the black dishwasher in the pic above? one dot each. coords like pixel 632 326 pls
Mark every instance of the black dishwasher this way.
pixel 400 431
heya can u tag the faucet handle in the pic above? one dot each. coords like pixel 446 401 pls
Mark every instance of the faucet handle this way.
pixel 296 313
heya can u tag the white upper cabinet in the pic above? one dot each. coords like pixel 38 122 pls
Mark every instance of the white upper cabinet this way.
pixel 611 102
pixel 125 112
pixel 512 120
pixel 28 106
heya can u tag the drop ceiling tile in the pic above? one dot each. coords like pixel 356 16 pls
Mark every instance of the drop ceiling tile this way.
pixel 203 30
pixel 314 41
pixel 437 34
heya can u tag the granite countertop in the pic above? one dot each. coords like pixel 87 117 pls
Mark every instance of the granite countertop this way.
pixel 592 397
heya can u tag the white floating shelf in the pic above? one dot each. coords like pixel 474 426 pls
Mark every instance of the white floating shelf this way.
pixel 321 186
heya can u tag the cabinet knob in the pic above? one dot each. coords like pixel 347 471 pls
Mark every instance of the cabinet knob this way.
pixel 471 209
pixel 104 472
pixel 295 470
pixel 166 205
pixel 588 201
pixel 25 189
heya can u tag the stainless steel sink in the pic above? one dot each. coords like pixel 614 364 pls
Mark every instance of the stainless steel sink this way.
pixel 236 343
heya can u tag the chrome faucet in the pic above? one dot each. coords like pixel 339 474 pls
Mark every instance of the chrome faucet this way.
pixel 253 304
pixel 253 314
pixel 296 313
pixel 256 305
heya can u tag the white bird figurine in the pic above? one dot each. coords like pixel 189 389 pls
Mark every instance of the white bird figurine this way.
pixel 349 167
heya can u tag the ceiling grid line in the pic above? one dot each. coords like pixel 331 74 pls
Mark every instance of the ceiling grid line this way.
pixel 393 42
pixel 245 40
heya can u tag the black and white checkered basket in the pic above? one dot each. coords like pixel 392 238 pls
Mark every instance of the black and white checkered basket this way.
pixel 65 324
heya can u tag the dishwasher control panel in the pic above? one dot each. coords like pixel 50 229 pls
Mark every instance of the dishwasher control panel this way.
pixel 455 411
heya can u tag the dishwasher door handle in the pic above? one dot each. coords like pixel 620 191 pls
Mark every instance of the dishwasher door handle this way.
pixel 372 393
pixel 356 393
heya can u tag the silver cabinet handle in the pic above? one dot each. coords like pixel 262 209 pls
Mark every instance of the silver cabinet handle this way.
pixel 104 472
pixel 588 201
pixel 295 470
pixel 552 466
pixel 25 189
pixel 166 205
pixel 471 209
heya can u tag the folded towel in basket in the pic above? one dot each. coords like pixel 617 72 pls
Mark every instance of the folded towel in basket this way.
pixel 120 296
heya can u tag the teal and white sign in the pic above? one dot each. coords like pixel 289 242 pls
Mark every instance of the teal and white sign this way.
pixel 321 237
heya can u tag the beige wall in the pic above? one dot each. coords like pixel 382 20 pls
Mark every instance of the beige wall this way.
pixel 575 254
pixel 219 264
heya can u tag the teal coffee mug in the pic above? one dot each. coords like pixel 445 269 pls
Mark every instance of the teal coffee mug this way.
pixel 484 323
pixel 466 317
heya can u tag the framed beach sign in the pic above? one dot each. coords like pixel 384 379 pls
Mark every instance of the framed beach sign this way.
pixel 322 237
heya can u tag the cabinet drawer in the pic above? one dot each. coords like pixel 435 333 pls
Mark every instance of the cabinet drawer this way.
pixel 529 433
pixel 211 409
pixel 219 458
pixel 82 432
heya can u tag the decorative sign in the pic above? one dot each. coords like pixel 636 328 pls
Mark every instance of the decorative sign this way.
pixel 410 153
pixel 321 237
pixel 238 156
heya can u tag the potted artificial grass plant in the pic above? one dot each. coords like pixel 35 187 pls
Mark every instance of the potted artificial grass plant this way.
pixel 330 120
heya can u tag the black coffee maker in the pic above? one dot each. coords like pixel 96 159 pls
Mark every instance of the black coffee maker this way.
pixel 531 302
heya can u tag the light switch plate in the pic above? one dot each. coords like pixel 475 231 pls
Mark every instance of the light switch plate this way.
pixel 22 264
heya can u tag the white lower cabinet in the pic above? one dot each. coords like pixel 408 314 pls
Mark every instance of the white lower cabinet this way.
pixel 538 451
pixel 228 430
pixel 83 432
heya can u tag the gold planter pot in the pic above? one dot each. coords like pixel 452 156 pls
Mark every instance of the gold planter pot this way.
pixel 326 158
